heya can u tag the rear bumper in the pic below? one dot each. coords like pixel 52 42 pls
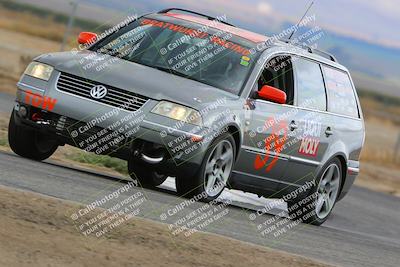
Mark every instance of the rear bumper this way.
pixel 351 175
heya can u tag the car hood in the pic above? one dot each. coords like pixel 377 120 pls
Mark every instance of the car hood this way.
pixel 144 80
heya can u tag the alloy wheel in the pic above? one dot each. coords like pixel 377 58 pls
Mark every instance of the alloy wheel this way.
pixel 328 190
pixel 218 168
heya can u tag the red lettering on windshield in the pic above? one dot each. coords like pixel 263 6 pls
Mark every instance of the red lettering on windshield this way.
pixel 199 34
pixel 229 45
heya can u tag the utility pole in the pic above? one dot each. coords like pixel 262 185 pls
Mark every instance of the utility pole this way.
pixel 70 23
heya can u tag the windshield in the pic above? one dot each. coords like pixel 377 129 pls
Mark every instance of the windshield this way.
pixel 186 49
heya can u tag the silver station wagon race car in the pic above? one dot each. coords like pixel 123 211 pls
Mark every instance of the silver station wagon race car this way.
pixel 177 93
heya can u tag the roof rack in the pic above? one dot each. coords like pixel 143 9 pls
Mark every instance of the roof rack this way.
pixel 164 11
pixel 324 54
pixel 312 50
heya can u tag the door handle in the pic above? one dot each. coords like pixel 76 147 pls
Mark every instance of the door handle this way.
pixel 328 132
pixel 293 126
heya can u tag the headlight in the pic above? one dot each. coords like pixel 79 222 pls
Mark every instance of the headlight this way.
pixel 39 70
pixel 178 112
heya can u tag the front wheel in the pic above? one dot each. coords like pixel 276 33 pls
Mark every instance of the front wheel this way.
pixel 29 143
pixel 141 172
pixel 214 173
pixel 322 199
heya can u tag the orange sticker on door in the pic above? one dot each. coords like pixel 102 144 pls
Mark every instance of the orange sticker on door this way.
pixel 309 146
pixel 273 143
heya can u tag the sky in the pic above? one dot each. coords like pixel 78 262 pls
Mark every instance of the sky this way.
pixel 369 20
pixel 374 21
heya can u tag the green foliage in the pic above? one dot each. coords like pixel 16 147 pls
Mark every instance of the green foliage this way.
pixel 102 161
pixel 387 100
pixel 3 141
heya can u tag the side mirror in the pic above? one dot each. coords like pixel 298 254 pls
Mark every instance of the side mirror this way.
pixel 87 38
pixel 272 94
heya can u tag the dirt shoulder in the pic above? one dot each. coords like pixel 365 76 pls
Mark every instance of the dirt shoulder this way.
pixel 35 232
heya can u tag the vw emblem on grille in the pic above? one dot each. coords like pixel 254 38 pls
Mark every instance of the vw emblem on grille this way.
pixel 98 91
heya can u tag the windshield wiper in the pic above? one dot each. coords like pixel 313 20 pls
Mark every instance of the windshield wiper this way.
pixel 107 51
pixel 171 71
pixel 175 72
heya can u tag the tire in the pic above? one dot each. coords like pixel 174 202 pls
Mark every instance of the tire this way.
pixel 214 172
pixel 316 207
pixel 140 171
pixel 29 143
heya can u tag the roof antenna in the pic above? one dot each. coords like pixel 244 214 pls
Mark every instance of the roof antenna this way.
pixel 295 30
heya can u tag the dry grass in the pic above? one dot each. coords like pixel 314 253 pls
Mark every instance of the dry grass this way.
pixel 3 132
pixel 32 25
pixel 24 36
pixel 8 83
pixel 383 157
pixel 374 104
pixel 382 134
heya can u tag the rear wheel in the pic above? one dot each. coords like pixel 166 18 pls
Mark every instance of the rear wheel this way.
pixel 141 172
pixel 214 173
pixel 317 210
pixel 29 143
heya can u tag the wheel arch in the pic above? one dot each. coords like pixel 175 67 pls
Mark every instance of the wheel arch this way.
pixel 236 134
pixel 343 160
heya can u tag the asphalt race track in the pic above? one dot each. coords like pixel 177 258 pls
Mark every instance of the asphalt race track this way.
pixel 364 229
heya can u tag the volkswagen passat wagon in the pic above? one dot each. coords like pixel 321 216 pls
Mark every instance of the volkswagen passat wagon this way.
pixel 181 94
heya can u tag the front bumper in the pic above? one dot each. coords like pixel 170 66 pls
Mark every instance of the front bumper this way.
pixel 146 143
pixel 75 121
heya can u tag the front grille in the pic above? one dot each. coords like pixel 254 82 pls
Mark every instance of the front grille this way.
pixel 115 97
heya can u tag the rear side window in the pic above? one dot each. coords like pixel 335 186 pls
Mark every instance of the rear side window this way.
pixel 342 99
pixel 310 85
